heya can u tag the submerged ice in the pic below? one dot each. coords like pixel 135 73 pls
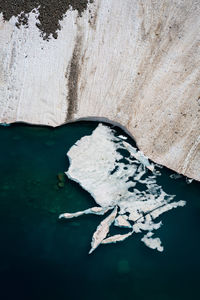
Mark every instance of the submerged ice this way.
pixel 115 181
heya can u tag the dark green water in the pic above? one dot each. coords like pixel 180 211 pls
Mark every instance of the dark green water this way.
pixel 43 258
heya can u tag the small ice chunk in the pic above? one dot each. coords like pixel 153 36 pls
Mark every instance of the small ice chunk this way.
pixel 189 180
pixel 102 230
pixel 116 238
pixel 175 176
pixel 94 210
pixel 153 243
pixel 122 137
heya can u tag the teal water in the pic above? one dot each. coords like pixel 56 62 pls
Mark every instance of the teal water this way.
pixel 44 258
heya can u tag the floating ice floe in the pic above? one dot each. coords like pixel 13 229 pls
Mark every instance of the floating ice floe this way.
pixel 115 184
pixel 122 137
pixel 154 243
pixel 94 210
pixel 175 176
pixel 102 230
pixel 189 180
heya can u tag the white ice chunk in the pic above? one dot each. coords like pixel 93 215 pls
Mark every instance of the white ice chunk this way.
pixel 122 137
pixel 153 243
pixel 117 238
pixel 94 210
pixel 189 180
pixel 102 230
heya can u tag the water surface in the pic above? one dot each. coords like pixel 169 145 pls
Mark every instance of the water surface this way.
pixel 43 258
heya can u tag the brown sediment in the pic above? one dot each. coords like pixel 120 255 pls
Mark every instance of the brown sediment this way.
pixel 72 75
pixel 50 12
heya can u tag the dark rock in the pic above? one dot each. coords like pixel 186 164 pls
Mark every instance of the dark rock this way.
pixel 50 13
pixel 61 177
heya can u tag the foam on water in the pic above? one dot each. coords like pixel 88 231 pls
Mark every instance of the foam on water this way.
pixel 97 164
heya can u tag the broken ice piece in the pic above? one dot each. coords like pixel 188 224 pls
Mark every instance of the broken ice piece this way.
pixel 122 137
pixel 94 210
pixel 189 180
pixel 116 238
pixel 153 243
pixel 175 176
pixel 102 230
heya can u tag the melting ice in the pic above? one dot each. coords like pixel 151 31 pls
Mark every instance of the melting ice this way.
pixel 98 166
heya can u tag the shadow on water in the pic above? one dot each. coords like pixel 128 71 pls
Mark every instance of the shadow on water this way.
pixel 42 258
